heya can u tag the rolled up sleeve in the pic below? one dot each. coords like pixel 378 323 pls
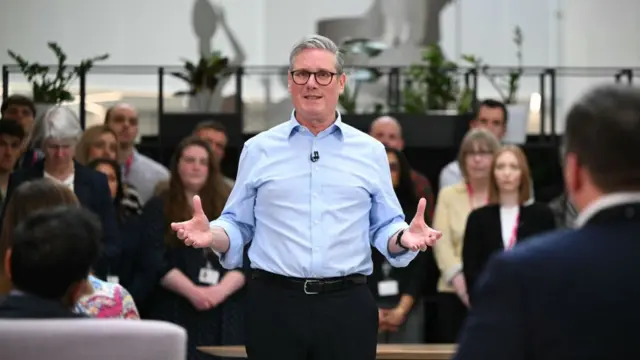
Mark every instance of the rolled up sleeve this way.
pixel 386 217
pixel 238 218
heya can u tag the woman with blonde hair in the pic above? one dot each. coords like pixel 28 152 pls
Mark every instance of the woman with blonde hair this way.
pixel 508 220
pixel 101 142
pixel 454 204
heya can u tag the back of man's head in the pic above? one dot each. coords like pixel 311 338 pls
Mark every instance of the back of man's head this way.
pixel 602 136
pixel 53 251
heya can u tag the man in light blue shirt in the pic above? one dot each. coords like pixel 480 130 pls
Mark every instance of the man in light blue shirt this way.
pixel 312 196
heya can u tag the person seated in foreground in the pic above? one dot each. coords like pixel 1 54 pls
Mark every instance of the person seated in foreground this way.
pixel 49 261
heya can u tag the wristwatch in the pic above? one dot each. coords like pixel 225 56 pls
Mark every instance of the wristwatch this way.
pixel 399 240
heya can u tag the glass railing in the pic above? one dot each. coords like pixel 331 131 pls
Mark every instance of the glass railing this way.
pixel 258 94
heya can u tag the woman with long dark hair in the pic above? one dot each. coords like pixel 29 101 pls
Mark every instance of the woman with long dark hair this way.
pixel 193 285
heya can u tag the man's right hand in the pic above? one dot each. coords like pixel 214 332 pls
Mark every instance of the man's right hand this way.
pixel 195 232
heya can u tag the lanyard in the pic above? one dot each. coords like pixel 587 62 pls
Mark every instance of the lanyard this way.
pixel 514 233
pixel 127 165
pixel 470 192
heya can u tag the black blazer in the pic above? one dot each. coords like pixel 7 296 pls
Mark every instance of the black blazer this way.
pixel 483 236
pixel 92 190
pixel 568 295
pixel 31 307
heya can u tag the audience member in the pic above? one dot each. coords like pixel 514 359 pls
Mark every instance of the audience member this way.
pixel 398 291
pixel 387 130
pixel 140 171
pixel 137 272
pixel 215 134
pixel 571 294
pixel 100 142
pixel 491 115
pixel 57 133
pixel 564 212
pixel 23 110
pixel 11 137
pixel 454 204
pixel 48 263
pixel 111 300
pixel 193 285
pixel 507 221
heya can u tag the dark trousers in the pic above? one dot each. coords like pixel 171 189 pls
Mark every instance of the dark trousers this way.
pixel 284 324
pixel 451 316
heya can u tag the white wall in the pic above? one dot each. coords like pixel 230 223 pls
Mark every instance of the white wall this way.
pixel 136 32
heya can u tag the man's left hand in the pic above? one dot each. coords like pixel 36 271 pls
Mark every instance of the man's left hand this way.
pixel 419 236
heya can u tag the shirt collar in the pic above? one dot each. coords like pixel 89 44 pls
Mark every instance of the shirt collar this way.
pixel 336 128
pixel 605 202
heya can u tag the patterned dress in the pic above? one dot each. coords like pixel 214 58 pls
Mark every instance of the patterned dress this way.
pixel 108 300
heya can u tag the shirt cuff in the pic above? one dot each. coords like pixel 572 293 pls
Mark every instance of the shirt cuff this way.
pixel 452 272
pixel 232 258
pixel 400 259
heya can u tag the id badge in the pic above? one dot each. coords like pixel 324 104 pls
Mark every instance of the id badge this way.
pixel 209 275
pixel 388 288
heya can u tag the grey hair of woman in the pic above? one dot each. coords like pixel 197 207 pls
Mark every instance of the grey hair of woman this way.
pixel 58 123
pixel 317 42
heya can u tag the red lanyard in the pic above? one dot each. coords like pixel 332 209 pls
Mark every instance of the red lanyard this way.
pixel 127 164
pixel 470 192
pixel 514 233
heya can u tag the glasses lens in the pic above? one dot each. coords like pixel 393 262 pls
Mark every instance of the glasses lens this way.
pixel 323 77
pixel 300 77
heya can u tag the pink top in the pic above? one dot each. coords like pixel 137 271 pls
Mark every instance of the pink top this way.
pixel 107 301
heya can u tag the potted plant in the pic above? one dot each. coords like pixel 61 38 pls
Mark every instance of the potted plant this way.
pixel 202 79
pixel 507 87
pixel 436 108
pixel 47 89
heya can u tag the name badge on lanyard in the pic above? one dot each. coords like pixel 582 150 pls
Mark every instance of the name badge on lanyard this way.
pixel 209 275
pixel 387 287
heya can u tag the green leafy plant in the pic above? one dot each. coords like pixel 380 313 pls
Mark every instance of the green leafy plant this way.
pixel 368 49
pixel 508 85
pixel 433 84
pixel 53 89
pixel 205 75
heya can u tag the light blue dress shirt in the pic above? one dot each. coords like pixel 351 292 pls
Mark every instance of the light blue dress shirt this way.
pixel 312 219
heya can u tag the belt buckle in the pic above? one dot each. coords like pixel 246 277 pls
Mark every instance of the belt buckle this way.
pixel 307 282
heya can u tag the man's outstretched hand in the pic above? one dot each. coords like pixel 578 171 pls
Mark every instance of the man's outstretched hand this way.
pixel 419 236
pixel 195 232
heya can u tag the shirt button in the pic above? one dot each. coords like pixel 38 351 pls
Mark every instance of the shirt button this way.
pixel 316 168
pixel 316 222
pixel 315 195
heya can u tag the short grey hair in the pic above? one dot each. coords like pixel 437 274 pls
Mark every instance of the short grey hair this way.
pixel 318 42
pixel 58 123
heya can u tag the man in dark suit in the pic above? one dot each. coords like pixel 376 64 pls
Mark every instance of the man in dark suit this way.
pixel 573 294
pixel 49 262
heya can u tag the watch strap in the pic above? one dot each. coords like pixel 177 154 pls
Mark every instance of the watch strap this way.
pixel 399 240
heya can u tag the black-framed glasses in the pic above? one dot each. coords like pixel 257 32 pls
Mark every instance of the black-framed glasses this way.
pixel 323 77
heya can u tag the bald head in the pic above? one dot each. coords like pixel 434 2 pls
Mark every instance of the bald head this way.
pixel 388 131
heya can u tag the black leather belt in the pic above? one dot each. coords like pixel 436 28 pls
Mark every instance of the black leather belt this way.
pixel 311 286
